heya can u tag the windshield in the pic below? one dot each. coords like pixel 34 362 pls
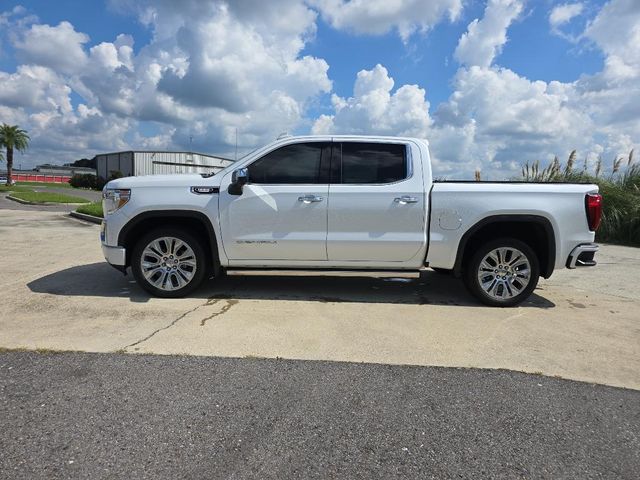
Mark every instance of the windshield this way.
pixel 231 166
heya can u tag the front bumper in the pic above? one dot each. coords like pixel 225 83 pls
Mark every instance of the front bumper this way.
pixel 116 256
pixel 582 256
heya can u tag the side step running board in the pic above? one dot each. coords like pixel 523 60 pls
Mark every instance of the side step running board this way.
pixel 327 273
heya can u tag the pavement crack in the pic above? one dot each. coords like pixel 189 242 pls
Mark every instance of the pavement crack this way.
pixel 230 303
pixel 173 322
pixel 210 301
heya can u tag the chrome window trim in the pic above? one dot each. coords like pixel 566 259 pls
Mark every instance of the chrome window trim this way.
pixel 408 156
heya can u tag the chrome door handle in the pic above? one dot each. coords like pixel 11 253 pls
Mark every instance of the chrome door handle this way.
pixel 405 199
pixel 310 199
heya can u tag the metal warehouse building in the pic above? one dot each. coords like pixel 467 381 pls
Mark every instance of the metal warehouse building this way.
pixel 135 163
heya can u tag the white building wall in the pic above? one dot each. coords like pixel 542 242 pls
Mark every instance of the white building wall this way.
pixel 157 163
pixel 121 162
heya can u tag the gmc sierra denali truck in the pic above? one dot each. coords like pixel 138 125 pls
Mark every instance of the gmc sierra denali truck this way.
pixel 346 203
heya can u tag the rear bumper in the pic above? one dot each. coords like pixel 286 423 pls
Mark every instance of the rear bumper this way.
pixel 582 256
pixel 116 256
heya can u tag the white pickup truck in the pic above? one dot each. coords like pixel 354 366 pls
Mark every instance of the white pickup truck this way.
pixel 336 203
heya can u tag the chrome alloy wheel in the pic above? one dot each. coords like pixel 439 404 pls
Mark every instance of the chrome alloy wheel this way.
pixel 504 273
pixel 168 263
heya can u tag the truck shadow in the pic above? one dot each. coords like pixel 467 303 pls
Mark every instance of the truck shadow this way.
pixel 101 280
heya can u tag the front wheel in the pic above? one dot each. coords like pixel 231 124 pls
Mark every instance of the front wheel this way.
pixel 502 273
pixel 168 262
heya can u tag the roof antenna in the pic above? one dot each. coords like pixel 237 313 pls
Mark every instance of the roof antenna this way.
pixel 283 135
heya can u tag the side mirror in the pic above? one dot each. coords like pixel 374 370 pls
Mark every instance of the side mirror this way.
pixel 239 178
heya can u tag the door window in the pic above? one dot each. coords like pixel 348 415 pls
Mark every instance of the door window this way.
pixel 291 164
pixel 373 162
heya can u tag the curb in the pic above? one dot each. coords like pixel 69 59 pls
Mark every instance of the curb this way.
pixel 43 204
pixel 86 217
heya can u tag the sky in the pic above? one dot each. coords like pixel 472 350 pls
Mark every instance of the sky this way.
pixel 491 84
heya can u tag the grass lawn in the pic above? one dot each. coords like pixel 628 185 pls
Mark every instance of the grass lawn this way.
pixel 13 188
pixel 94 209
pixel 42 197
pixel 44 184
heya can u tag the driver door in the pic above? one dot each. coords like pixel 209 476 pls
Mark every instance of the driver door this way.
pixel 281 214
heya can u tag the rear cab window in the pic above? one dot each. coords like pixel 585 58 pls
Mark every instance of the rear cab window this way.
pixel 370 163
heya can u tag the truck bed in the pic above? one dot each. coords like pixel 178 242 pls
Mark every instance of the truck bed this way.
pixel 457 206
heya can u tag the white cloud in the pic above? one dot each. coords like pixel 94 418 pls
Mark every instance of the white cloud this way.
pixel 162 141
pixel 380 16
pixel 484 38
pixel 210 67
pixel 38 99
pixel 374 109
pixel 7 18
pixel 616 31
pixel 34 87
pixel 503 119
pixel 564 13
pixel 496 119
pixel 515 119
pixel 217 66
pixel 59 47
pixel 230 66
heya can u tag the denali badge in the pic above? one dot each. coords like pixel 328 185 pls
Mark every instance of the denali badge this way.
pixel 262 242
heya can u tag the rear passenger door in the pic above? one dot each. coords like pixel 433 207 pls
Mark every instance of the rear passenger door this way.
pixel 376 210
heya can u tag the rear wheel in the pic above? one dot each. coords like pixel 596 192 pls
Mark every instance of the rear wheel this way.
pixel 503 272
pixel 168 262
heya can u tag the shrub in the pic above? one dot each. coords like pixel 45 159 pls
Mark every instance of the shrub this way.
pixel 93 182
pixel 620 191
pixel 113 174
pixel 83 180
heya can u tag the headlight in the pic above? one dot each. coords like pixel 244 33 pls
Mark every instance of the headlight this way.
pixel 113 199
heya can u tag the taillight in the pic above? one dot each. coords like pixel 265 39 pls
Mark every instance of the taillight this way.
pixel 593 204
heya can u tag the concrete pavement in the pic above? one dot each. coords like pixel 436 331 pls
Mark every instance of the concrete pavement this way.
pixel 581 324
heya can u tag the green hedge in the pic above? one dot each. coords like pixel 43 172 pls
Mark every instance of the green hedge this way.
pixel 94 182
pixel 84 180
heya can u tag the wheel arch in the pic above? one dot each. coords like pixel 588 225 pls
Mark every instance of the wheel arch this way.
pixel 196 222
pixel 534 230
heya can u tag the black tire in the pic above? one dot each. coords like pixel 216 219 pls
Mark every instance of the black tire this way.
pixel 442 271
pixel 471 272
pixel 191 241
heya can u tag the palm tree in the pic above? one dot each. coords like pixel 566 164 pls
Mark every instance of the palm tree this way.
pixel 12 137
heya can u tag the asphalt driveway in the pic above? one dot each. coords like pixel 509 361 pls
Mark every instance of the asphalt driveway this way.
pixel 137 416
